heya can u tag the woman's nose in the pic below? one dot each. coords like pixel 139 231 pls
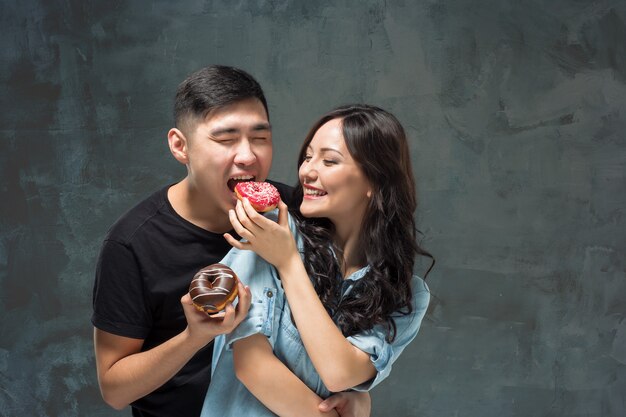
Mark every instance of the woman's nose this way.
pixel 308 171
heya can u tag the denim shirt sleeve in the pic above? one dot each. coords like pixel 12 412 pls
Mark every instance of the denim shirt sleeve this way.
pixel 382 353
pixel 261 316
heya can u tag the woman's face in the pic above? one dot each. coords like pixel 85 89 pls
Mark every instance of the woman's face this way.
pixel 333 184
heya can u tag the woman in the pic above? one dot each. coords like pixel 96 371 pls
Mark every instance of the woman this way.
pixel 338 320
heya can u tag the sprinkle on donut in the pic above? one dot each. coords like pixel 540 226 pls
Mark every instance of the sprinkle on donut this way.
pixel 263 196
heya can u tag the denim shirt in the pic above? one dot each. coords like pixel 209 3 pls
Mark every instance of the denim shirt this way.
pixel 270 315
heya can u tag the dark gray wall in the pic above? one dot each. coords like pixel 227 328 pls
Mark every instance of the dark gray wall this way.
pixel 516 113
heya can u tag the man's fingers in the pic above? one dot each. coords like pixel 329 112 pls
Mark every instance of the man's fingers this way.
pixel 243 305
pixel 323 406
pixel 193 316
pixel 186 299
pixel 218 315
pixel 229 316
pixel 348 404
pixel 334 401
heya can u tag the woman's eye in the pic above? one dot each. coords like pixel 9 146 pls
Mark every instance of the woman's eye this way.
pixel 307 158
pixel 330 161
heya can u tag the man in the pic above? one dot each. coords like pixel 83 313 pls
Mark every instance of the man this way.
pixel 153 349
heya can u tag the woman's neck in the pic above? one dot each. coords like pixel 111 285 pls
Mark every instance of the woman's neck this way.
pixel 350 254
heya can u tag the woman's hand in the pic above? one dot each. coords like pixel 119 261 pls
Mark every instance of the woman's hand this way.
pixel 270 240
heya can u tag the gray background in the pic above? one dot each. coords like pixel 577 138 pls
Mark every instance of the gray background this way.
pixel 516 115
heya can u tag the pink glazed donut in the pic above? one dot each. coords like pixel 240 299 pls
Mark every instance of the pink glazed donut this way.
pixel 263 196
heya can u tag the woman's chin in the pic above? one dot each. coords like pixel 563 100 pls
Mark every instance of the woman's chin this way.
pixel 308 211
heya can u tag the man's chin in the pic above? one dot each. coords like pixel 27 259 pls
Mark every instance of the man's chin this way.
pixel 230 202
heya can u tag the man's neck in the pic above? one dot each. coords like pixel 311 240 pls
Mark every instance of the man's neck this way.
pixel 197 209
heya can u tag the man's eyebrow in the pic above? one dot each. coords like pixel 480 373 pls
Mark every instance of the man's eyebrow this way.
pixel 262 126
pixel 231 130
pixel 223 131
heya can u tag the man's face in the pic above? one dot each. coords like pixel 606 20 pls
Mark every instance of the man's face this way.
pixel 232 144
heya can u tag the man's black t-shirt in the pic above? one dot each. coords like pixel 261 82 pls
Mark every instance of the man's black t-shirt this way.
pixel 146 264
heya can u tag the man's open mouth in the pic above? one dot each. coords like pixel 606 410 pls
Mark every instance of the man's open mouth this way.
pixel 232 182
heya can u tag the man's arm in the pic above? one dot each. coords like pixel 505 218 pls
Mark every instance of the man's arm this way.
pixel 349 404
pixel 126 374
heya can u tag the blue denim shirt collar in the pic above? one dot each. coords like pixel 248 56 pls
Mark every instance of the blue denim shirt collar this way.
pixel 356 275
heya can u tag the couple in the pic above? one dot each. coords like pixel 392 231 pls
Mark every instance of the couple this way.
pixel 336 321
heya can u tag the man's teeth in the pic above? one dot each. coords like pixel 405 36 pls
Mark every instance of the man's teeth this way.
pixel 309 191
pixel 242 178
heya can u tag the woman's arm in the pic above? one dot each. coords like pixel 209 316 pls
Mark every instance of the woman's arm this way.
pixel 271 382
pixel 340 365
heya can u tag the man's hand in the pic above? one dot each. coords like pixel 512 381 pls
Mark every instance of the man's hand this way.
pixel 348 404
pixel 125 373
pixel 203 328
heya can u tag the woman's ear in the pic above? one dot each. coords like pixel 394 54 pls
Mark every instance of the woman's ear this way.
pixel 178 145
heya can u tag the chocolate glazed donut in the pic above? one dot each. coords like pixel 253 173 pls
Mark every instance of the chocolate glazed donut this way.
pixel 213 287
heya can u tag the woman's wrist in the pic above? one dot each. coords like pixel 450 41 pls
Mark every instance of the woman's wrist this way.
pixel 290 266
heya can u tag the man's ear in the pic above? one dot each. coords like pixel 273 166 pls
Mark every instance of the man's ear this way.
pixel 178 145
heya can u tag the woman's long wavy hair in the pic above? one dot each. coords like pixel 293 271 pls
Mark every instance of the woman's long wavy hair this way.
pixel 388 238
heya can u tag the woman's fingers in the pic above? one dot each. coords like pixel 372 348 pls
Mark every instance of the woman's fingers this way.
pixel 258 219
pixel 236 243
pixel 238 226
pixel 255 217
pixel 244 217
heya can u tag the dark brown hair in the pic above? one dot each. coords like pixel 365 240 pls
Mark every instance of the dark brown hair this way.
pixel 378 143
pixel 213 87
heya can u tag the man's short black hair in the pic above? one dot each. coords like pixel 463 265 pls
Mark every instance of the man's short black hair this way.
pixel 213 87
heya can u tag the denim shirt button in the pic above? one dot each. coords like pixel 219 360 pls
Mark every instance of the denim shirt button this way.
pixel 269 294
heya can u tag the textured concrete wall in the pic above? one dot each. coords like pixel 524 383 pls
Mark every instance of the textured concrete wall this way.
pixel 516 112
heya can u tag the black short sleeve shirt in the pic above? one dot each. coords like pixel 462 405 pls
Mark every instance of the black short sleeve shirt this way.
pixel 145 266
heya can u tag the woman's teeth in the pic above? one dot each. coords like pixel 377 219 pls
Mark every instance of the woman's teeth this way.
pixel 309 191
